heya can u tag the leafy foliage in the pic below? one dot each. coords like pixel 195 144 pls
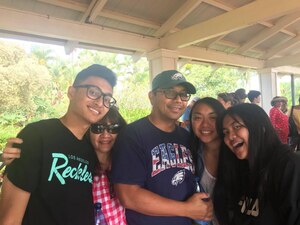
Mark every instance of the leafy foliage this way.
pixel 43 55
pixel 23 84
pixel 285 89
pixel 10 54
pixel 210 81
pixel 33 85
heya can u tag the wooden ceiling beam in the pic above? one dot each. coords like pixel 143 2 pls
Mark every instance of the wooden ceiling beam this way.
pixel 87 11
pixel 42 25
pixel 267 33
pixel 228 22
pixel 98 7
pixel 290 60
pixel 227 8
pixel 210 42
pixel 129 19
pixel 177 17
pixel 211 56
pixel 219 4
pixel 69 4
pixel 284 46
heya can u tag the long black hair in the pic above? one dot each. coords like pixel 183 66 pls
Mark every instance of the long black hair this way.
pixel 237 177
pixel 218 108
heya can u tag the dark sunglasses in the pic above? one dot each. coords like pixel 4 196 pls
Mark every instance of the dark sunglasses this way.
pixel 100 128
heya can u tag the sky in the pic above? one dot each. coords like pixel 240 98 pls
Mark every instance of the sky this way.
pixel 59 50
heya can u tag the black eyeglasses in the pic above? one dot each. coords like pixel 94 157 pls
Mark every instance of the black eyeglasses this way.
pixel 172 94
pixel 100 128
pixel 94 93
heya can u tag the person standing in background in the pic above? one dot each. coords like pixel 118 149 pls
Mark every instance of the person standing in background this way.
pixel 296 115
pixel 254 96
pixel 240 96
pixel 226 99
pixel 186 114
pixel 279 120
pixel 294 123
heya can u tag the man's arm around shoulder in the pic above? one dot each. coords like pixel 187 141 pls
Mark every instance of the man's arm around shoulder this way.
pixel 13 203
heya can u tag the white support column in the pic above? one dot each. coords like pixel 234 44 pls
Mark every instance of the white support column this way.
pixel 160 60
pixel 268 83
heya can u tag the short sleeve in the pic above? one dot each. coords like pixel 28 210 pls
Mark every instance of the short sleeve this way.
pixel 128 160
pixel 25 171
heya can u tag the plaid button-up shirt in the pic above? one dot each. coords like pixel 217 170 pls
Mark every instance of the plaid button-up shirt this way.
pixel 113 211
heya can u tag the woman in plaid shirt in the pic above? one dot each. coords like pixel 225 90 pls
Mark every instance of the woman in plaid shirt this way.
pixel 102 135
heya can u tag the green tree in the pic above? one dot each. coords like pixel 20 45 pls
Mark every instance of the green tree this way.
pixel 43 55
pixel 24 85
pixel 10 54
pixel 209 81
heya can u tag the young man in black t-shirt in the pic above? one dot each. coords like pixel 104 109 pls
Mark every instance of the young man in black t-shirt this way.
pixel 51 183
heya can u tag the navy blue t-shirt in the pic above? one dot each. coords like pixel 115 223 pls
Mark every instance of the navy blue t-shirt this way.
pixel 158 161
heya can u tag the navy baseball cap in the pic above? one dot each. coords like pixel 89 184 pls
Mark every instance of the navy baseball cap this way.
pixel 171 78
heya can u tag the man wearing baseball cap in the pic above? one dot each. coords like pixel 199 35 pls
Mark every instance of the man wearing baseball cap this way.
pixel 152 165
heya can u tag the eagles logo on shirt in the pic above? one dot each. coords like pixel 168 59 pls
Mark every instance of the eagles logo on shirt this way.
pixel 178 178
pixel 171 155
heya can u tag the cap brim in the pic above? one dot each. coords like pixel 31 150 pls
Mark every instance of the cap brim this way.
pixel 189 87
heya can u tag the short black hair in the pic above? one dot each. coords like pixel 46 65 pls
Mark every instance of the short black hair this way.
pixel 253 94
pixel 240 93
pixel 227 97
pixel 96 70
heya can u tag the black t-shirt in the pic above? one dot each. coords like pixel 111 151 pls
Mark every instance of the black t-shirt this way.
pixel 157 161
pixel 56 168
